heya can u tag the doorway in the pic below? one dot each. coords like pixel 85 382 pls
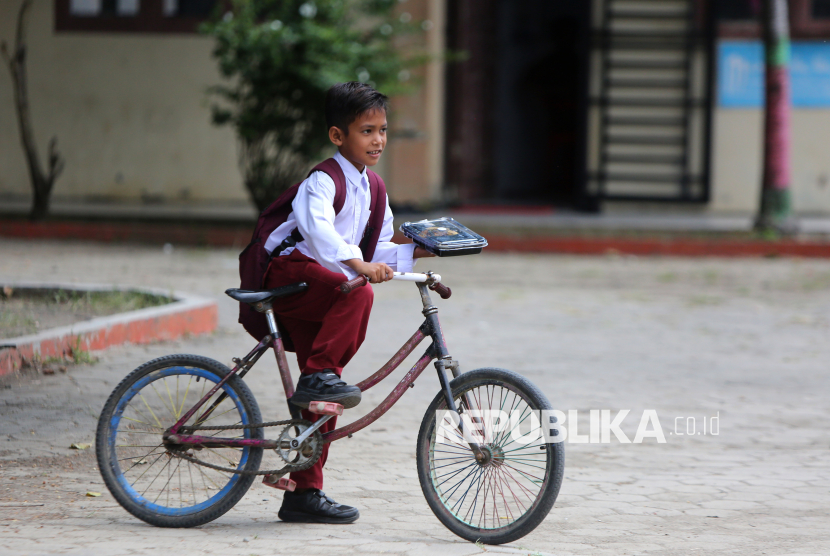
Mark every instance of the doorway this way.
pixel 540 101
pixel 517 105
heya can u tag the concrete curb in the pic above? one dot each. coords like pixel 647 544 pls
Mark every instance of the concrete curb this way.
pixel 188 314
pixel 669 247
pixel 500 240
pixel 158 233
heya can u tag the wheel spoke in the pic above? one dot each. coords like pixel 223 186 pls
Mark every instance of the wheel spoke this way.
pixel 184 398
pixel 137 421
pixel 508 434
pixel 151 411
pixel 150 453
pixel 447 464
pixel 465 448
pixel 457 457
pixel 164 405
pixel 503 435
pixel 215 416
pixel 476 482
pixel 209 479
pixel 499 483
pixel 534 448
pixel 163 467
pixel 523 488
pixel 453 474
pixel 140 459
pixel 494 492
pixel 477 471
pixel 173 405
pixel 148 468
pixel 169 475
pixel 221 456
pixel 192 486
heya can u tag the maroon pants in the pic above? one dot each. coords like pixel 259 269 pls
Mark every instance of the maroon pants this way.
pixel 325 325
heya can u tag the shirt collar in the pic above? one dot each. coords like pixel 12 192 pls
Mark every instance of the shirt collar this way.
pixel 357 178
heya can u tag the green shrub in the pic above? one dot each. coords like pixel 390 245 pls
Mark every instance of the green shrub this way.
pixel 280 57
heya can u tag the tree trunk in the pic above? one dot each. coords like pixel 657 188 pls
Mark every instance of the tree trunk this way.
pixel 42 182
pixel 775 208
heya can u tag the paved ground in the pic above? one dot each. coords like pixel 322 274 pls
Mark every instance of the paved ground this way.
pixel 745 340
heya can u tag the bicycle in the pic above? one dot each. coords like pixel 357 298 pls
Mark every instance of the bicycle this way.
pixel 152 445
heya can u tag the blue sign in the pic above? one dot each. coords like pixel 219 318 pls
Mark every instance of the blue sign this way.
pixel 741 74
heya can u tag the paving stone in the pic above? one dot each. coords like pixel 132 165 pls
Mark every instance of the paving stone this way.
pixel 742 338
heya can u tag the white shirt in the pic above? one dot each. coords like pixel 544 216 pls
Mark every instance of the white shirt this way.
pixel 331 239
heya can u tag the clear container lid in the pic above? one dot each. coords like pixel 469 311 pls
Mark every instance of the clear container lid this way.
pixel 442 234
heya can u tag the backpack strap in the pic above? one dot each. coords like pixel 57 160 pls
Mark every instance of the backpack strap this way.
pixel 290 240
pixel 375 224
pixel 335 172
pixel 331 168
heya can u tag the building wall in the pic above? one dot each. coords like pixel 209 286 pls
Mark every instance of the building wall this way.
pixel 130 112
pixel 413 166
pixel 132 118
pixel 737 160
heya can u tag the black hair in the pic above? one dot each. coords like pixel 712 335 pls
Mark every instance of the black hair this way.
pixel 346 101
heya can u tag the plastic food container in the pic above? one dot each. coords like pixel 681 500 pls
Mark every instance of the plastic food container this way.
pixel 444 237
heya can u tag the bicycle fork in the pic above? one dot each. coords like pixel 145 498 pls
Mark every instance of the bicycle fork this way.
pixel 444 361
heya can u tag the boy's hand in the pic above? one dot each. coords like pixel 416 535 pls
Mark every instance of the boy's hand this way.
pixel 420 253
pixel 377 272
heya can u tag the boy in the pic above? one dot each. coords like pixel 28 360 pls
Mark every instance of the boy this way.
pixel 327 327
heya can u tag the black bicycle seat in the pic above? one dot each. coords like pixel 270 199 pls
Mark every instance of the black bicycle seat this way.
pixel 257 296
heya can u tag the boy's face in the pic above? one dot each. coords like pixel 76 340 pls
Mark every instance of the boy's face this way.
pixel 366 139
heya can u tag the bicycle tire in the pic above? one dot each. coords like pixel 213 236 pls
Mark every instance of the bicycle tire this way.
pixel 237 407
pixel 444 502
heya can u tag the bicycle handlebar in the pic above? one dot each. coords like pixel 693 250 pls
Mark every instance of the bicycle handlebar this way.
pixel 436 286
pixel 415 276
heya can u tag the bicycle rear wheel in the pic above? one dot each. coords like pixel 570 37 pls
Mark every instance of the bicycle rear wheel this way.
pixel 507 496
pixel 144 475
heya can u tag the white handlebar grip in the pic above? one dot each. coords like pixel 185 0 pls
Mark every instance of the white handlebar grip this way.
pixel 414 276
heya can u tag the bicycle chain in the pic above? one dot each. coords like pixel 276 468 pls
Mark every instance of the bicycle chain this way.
pixel 283 471
pixel 232 427
pixel 287 469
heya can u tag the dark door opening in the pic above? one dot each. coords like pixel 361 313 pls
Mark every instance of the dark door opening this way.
pixel 540 101
pixel 517 105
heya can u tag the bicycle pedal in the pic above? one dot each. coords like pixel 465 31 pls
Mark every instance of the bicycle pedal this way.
pixel 282 483
pixel 325 408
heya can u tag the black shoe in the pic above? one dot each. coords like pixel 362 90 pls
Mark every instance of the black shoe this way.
pixel 325 386
pixel 313 506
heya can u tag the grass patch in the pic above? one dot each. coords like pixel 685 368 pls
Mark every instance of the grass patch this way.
pixel 667 277
pixel 703 300
pixel 30 310
pixel 104 301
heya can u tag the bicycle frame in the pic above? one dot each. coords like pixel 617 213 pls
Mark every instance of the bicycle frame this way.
pixel 437 350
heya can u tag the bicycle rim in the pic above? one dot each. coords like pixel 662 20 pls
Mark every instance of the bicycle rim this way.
pixel 147 472
pixel 507 494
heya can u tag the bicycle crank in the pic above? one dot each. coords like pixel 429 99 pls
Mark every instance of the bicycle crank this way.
pixel 301 444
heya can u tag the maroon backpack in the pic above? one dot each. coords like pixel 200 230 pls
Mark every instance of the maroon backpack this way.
pixel 254 259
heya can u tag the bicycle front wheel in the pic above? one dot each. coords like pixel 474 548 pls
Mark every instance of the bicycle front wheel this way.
pixel 506 495
pixel 154 482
